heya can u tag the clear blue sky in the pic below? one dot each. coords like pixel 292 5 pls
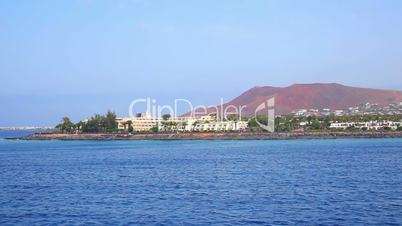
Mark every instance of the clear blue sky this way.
pixel 80 57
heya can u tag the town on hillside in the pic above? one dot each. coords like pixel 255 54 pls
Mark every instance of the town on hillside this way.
pixel 363 109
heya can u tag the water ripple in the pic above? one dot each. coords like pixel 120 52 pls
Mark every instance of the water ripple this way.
pixel 336 182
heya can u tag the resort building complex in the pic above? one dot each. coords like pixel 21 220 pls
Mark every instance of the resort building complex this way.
pixel 141 122
pixel 145 122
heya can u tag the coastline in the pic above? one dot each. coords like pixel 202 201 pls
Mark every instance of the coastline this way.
pixel 210 136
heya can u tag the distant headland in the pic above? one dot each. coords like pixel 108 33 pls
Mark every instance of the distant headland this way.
pixel 27 128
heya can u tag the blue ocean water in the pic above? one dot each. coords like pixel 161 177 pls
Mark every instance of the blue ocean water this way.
pixel 17 133
pixel 304 182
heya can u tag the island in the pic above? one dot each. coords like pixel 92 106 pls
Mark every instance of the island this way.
pixel 144 126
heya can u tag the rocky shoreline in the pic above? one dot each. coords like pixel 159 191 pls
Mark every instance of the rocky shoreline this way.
pixel 210 136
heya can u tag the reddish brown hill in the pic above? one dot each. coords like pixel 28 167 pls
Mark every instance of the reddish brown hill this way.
pixel 317 96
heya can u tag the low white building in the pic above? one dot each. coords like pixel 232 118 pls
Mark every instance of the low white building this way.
pixel 371 125
pixel 338 112
pixel 301 112
pixel 142 122
pixel 221 126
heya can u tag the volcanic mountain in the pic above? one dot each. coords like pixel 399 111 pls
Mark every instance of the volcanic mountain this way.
pixel 311 96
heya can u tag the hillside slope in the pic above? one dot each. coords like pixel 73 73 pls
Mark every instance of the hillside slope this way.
pixel 307 96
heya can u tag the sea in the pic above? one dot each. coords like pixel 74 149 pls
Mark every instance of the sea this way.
pixel 296 182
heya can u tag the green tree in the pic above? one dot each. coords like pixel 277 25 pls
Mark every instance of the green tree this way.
pixel 327 122
pixel 166 117
pixel 66 125
pixel 252 122
pixel 166 124
pixel 130 127
pixel 316 125
pixel 183 125
pixel 232 117
pixel 154 129
pixel 95 124
pixel 172 126
pixel 282 124
pixel 110 121
pixel 309 119
pixel 78 126
pixel 101 123
pixel 195 124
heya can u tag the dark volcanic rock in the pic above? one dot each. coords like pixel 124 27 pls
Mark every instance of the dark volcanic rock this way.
pixel 211 136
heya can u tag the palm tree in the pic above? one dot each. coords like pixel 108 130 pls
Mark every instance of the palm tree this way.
pixel 166 117
pixel 66 125
pixel 173 126
pixel 184 124
pixel 130 127
pixel 195 124
pixel 165 123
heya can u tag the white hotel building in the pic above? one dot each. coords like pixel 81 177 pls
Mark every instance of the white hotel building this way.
pixel 145 122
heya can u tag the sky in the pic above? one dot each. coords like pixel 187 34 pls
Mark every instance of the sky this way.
pixel 79 57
